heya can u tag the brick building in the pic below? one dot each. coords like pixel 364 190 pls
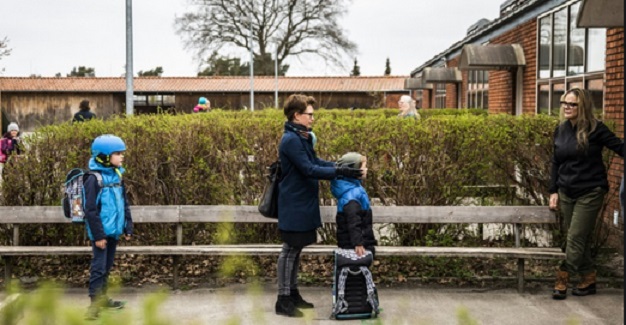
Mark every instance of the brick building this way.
pixel 524 60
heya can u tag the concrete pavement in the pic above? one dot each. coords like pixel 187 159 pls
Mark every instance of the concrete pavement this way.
pixel 250 304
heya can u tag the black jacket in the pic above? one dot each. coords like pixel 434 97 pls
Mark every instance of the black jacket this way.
pixel 577 172
pixel 83 116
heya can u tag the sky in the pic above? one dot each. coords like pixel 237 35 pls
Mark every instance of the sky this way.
pixel 49 37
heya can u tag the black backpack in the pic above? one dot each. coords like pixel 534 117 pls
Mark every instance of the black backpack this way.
pixel 74 194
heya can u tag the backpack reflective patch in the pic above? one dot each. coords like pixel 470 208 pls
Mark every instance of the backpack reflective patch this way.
pixel 74 194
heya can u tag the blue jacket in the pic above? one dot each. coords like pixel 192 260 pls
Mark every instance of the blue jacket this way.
pixel 354 215
pixel 106 209
pixel 298 199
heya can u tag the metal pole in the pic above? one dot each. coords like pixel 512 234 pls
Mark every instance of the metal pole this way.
pixel 129 57
pixel 251 70
pixel 276 77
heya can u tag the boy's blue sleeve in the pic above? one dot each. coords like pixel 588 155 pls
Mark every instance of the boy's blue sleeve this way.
pixel 128 228
pixel 92 211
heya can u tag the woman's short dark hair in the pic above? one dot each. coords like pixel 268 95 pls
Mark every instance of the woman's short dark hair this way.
pixel 297 104
pixel 84 105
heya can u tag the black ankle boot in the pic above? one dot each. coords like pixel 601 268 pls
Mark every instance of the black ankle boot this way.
pixel 298 301
pixel 286 307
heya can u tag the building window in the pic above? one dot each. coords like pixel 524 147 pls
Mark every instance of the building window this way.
pixel 440 95
pixel 568 57
pixel 154 100
pixel 478 89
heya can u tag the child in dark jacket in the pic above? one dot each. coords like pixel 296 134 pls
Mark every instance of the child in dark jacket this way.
pixel 108 217
pixel 354 214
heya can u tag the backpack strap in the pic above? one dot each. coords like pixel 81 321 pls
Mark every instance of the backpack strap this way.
pixel 98 177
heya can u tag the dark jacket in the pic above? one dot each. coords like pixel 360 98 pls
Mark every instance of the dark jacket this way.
pixel 10 145
pixel 83 116
pixel 354 214
pixel 298 199
pixel 106 209
pixel 577 172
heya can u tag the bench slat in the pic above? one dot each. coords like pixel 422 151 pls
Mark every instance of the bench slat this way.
pixel 250 214
pixel 273 249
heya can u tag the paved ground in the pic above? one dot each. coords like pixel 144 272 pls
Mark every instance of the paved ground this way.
pixel 247 304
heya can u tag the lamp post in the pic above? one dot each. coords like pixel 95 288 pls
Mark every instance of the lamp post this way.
pixel 276 76
pixel 251 70
pixel 129 58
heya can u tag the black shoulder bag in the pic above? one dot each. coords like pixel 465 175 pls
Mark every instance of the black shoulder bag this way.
pixel 268 206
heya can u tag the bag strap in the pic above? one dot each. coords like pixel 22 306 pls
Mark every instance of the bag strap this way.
pixel 98 177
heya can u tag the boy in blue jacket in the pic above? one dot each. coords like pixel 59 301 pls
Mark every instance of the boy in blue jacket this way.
pixel 108 216
pixel 354 215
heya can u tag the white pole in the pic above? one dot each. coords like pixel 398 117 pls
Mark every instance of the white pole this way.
pixel 129 58
pixel 251 70
pixel 276 76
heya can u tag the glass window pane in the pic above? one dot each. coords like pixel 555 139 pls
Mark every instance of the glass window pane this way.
pixel 169 100
pixel 576 49
pixel 575 84
pixel 155 100
pixel 543 105
pixel 558 90
pixel 545 40
pixel 486 100
pixel 596 49
pixel 140 100
pixel 596 89
pixel 560 41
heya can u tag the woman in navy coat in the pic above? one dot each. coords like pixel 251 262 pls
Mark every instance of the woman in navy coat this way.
pixel 298 200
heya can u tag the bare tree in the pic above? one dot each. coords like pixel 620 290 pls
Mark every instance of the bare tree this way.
pixel 4 49
pixel 295 27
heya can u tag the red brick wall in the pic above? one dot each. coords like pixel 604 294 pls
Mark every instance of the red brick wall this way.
pixel 501 82
pixel 426 99
pixel 451 88
pixel 614 111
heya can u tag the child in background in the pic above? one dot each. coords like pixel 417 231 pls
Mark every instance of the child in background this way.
pixel 108 217
pixel 204 105
pixel 354 214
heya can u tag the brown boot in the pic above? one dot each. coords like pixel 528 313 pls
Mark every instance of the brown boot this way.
pixel 560 287
pixel 587 285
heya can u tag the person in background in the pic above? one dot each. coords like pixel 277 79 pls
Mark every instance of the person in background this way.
pixel 578 185
pixel 204 105
pixel 84 113
pixel 10 143
pixel 407 108
pixel 298 199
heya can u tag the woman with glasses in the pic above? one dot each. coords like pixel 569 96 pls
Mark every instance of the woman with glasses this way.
pixel 578 185
pixel 298 199
pixel 407 108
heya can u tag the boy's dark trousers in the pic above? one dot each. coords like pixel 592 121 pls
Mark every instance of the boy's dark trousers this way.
pixel 101 264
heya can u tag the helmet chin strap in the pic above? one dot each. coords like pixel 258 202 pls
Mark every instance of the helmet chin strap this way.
pixel 104 159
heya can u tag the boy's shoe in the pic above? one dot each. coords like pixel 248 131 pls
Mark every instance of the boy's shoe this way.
pixel 560 287
pixel 114 304
pixel 93 311
pixel 587 285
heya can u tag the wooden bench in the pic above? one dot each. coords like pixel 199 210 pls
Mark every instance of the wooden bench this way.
pixel 179 215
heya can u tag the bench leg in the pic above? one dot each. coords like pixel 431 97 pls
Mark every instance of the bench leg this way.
pixel 520 275
pixel 176 263
pixel 8 270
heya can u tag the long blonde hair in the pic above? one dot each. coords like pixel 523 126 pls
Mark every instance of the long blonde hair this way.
pixel 585 121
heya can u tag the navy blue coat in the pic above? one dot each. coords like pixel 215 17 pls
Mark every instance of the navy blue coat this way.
pixel 298 199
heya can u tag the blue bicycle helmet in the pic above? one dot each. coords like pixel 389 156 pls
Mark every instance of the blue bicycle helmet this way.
pixel 202 100
pixel 106 145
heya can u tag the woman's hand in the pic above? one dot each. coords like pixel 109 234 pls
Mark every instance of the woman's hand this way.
pixel 102 243
pixel 554 201
pixel 359 250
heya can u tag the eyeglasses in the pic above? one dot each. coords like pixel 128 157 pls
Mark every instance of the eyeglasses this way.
pixel 309 114
pixel 572 105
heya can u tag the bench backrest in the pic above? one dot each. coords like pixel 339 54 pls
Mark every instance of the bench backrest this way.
pixel 250 214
